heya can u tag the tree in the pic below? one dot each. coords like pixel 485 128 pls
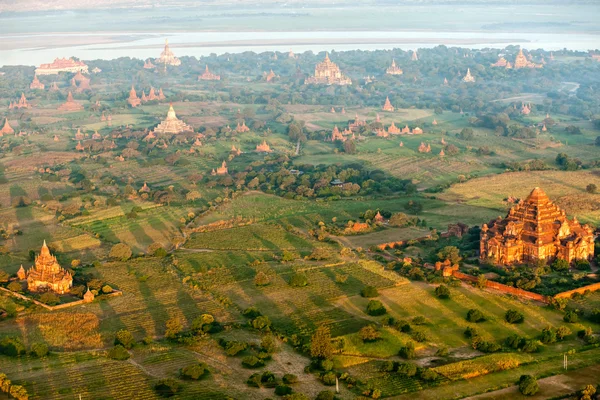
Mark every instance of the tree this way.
pixel 19 392
pixel 442 292
pixel 450 253
pixel 299 279
pixel 514 317
pixel 349 147
pixel 587 393
pixel 369 291
pixel 560 264
pixel 118 353
pixel 368 333
pixel 174 328
pixel 571 316
pixel 167 387
pixel 124 338
pixel 262 279
pixel 194 371
pixel 474 315
pixel 414 207
pixel 466 134
pixel 39 350
pixel 320 343
pixel 407 351
pixel 15 287
pixel 528 385
pixel 375 308
pixel 268 343
pixel 296 134
pixel 120 251
pixel 591 188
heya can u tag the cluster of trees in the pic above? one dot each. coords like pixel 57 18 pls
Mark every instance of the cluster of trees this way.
pixel 13 347
pixel 17 392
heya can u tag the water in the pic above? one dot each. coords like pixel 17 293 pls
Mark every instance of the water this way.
pixel 42 48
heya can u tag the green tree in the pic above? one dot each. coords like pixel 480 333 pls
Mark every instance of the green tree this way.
pixel 514 317
pixel 173 328
pixel 124 338
pixel 320 343
pixel 299 279
pixel 474 315
pixel 442 292
pixel 375 308
pixel 118 353
pixel 528 385
pixel 450 253
pixel 120 251
pixel 369 291
pixel 194 371
pixel 368 333
pixel 167 387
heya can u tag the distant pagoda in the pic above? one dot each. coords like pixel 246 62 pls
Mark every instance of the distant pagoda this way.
pixel 414 56
pixel 172 125
pixel 468 77
pixel 241 128
pixel 393 129
pixel 522 62
pixel 70 104
pixel 167 57
pixel 535 229
pixel 222 170
pixel 388 106
pixel 263 147
pixel 270 76
pixel 61 65
pixel 148 64
pixel 47 274
pixel 36 84
pixel 133 99
pixel 21 103
pixel 208 76
pixel 6 129
pixel 328 73
pixel 500 63
pixel 394 69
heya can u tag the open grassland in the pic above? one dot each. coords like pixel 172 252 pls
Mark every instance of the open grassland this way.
pixel 565 188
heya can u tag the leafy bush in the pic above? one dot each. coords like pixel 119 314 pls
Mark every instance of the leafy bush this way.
pixel 120 251
pixel 39 350
pixel 375 308
pixel 407 351
pixel 571 316
pixel 282 390
pixel 50 298
pixel 528 385
pixel 562 332
pixel 289 379
pixel 474 315
pixel 124 338
pixel 12 347
pixel 419 336
pixel 408 369
pixel 442 292
pixel 420 320
pixel 234 347
pixel 299 279
pixel 369 291
pixel 548 335
pixel 167 387
pixel 325 395
pixel 118 353
pixel 328 378
pixel 194 371
pixel 252 362
pixel 261 323
pixel 368 334
pixel 514 317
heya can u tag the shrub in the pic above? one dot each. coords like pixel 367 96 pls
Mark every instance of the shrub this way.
pixel 327 365
pixel 282 390
pixel 12 347
pixel 39 350
pixel 252 362
pixel 262 279
pixel 571 316
pixel 560 265
pixel 528 385
pixel 419 336
pixel 50 298
pixel 471 332
pixel 591 188
pixel 118 353
pixel 234 347
pixel 325 395
pixel 427 374
pixel 407 351
pixel 514 317
pixel 442 292
pixel 289 379
pixel 530 346
pixel 375 308
pixel 15 287
pixel 261 323
pixel 328 378
pixel 474 315
pixel 420 320
pixel 369 291
pixel 408 369
pixel 124 338
pixel 595 315
pixel 368 333
pixel 268 379
pixel 254 380
pixel 194 371
pixel 514 341
pixel 548 335
pixel 120 251
pixel 251 312
pixel 403 326
pixel 298 279
pixel 167 387
pixel 562 332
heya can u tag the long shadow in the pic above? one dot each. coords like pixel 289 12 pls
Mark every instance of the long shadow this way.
pixel 140 235
pixel 155 308
pixel 187 304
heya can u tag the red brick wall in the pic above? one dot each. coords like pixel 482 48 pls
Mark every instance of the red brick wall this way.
pixel 503 288
pixel 565 295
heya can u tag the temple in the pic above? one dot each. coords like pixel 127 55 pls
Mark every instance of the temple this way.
pixel 61 65
pixel 522 62
pixel 424 148
pixel 172 125
pixel 6 129
pixel 83 85
pixel 242 128
pixel 468 77
pixel 167 57
pixel 328 73
pixel 525 109
pixel 36 84
pixel 148 64
pixel 270 76
pixel 535 229
pixel 222 170
pixel 414 56
pixel 394 69
pixel 79 77
pixel 388 106
pixel 133 99
pixel 393 129
pixel 47 274
pixel 209 76
pixel 21 103
pixel 263 147
pixel 70 104
pixel 500 63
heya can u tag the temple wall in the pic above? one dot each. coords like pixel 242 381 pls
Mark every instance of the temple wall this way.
pixel 503 288
pixel 566 295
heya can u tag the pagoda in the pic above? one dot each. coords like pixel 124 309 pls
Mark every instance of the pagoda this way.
pixel 500 63
pixel 328 73
pixel 21 103
pixel 525 109
pixel 79 77
pixel 535 229
pixel 235 151
pixel 209 76
pixel 36 84
pixel 417 131
pixel 468 77
pixel 522 62
pixel 53 87
pixel 6 129
pixel 96 70
pixel 133 100
pixel 394 69
pixel 152 95
pixel 291 54
pixel 70 104
pixel 382 133
pixel 336 135
pixel 446 82
pixel 167 57
pixel 414 56
pixel 172 125
pixel 47 274
pixel 79 147
pixel 148 64
pixel 84 85
pixel 144 189
pixel 388 106
pixel 61 65
pixel 393 129
pixel 242 128
pixel 161 95
pixel 96 136
pixel 332 110
pixel 544 129
pixel 406 129
pixel 434 122
pixel 222 170
pixel 442 154
pixel 270 76
pixel 79 135
pixel 423 148
pixel 263 147
pixel 357 123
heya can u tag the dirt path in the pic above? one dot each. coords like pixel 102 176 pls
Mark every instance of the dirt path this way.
pixel 551 387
